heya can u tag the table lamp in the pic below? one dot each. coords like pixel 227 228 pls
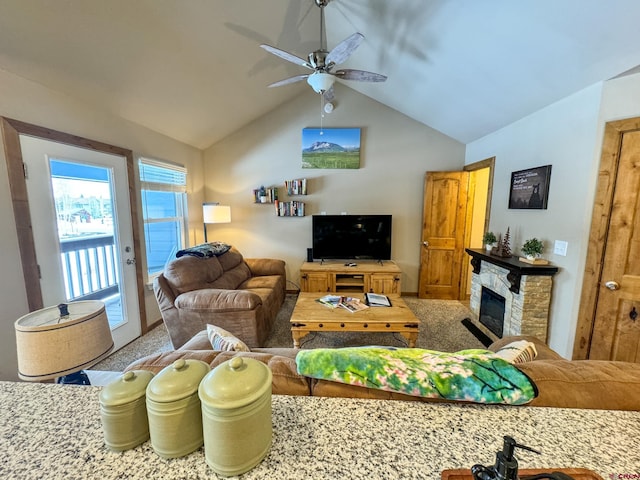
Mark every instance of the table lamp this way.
pixel 215 213
pixel 58 342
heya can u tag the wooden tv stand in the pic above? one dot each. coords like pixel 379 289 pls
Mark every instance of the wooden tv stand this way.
pixel 365 276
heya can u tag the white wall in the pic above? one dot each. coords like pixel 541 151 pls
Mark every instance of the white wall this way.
pixel 395 154
pixel 566 135
pixel 30 102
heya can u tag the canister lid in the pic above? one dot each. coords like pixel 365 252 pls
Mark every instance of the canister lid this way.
pixel 178 380
pixel 234 383
pixel 129 387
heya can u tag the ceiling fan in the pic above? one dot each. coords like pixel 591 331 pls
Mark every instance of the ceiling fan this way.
pixel 322 61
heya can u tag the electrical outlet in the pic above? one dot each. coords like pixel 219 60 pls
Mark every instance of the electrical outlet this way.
pixel 560 248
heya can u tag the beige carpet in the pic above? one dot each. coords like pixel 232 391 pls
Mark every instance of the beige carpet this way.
pixel 441 330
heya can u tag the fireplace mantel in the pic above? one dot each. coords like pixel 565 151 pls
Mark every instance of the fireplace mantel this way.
pixel 516 268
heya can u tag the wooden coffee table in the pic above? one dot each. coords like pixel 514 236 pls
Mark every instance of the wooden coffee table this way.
pixel 311 316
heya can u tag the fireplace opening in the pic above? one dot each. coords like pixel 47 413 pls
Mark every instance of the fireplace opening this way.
pixel 492 308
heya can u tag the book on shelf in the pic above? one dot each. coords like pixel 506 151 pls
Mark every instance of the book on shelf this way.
pixel 296 187
pixel 330 301
pixel 377 300
pixel 289 209
pixel 352 304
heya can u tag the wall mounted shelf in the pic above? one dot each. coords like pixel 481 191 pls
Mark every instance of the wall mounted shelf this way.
pixel 265 195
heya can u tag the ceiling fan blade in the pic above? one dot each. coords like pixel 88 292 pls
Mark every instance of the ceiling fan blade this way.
pixel 344 49
pixel 289 80
pixel 286 55
pixel 359 75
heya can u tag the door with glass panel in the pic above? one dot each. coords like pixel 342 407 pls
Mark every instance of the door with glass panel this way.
pixel 82 230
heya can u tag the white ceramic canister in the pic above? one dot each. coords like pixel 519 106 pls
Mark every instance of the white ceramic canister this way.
pixel 173 407
pixel 236 415
pixel 123 411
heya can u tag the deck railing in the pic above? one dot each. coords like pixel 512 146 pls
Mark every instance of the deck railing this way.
pixel 89 267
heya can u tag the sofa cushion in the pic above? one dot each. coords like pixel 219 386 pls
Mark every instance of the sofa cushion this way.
pixel 218 301
pixel 266 281
pixel 189 273
pixel 285 380
pixel 200 341
pixel 223 341
pixel 231 259
pixel 157 361
pixel 232 278
pixel 596 384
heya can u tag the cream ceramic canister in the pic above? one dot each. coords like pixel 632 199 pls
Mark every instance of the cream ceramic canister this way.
pixel 173 407
pixel 123 411
pixel 236 415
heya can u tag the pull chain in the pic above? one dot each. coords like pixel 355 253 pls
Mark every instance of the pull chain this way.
pixel 321 112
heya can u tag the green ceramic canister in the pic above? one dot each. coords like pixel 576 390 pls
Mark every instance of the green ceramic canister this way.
pixel 236 415
pixel 173 407
pixel 123 411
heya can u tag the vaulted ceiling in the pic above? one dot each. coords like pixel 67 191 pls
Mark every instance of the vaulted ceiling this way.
pixel 193 69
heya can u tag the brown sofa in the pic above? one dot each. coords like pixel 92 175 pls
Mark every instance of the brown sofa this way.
pixel 591 384
pixel 241 295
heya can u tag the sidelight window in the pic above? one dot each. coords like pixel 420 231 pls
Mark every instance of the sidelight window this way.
pixel 164 207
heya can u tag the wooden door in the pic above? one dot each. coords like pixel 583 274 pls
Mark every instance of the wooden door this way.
pixel 443 233
pixel 616 326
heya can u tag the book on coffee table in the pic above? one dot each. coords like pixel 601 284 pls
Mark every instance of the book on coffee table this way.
pixel 377 300
pixel 352 304
pixel 330 301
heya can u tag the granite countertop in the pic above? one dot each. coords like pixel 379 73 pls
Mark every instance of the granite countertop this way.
pixel 50 431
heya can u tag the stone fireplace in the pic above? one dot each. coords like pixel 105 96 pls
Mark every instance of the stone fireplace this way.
pixel 525 288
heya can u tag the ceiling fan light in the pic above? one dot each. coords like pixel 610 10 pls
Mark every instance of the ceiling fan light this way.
pixel 320 81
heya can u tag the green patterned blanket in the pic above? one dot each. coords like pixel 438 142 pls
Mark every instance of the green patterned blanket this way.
pixel 468 375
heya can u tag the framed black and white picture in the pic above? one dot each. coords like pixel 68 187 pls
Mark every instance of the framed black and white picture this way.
pixel 530 188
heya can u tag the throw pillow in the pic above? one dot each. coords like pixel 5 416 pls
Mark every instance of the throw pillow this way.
pixel 223 341
pixel 518 352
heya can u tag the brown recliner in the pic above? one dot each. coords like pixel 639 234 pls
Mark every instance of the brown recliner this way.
pixel 240 295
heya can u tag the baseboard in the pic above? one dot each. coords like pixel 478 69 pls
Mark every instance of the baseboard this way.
pixel 152 326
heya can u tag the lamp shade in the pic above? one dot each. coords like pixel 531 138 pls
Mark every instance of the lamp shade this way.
pixel 320 82
pixel 50 345
pixel 215 213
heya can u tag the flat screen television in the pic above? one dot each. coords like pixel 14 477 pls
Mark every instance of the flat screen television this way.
pixel 351 237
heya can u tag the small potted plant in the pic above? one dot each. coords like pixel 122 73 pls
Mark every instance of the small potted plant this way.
pixel 532 248
pixel 262 194
pixel 489 239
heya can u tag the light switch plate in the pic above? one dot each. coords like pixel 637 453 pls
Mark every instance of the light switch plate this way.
pixel 560 248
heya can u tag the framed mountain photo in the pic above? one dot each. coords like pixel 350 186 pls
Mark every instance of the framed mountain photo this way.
pixel 331 148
